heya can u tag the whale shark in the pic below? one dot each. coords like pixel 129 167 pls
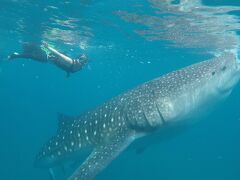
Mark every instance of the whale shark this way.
pixel 174 100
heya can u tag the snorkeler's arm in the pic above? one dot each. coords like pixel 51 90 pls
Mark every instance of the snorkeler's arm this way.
pixel 55 52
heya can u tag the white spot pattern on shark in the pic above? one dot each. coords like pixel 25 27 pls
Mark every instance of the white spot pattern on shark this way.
pixel 152 106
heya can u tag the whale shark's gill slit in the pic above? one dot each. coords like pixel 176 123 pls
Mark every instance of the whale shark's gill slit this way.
pixel 102 155
pixel 160 114
pixel 146 119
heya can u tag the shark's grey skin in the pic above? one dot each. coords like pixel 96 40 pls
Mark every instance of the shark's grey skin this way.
pixel 170 101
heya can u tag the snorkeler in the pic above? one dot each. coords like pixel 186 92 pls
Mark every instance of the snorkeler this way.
pixel 46 54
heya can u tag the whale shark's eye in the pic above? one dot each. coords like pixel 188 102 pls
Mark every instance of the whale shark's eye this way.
pixel 224 68
pixel 213 73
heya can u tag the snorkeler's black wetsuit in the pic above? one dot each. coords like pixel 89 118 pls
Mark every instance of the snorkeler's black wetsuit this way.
pixel 31 51
pixel 34 51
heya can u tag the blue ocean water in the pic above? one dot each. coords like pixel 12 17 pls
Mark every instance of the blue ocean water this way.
pixel 32 93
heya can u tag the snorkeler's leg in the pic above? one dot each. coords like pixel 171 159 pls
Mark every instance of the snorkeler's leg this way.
pixel 16 55
pixel 27 48
pixel 35 51
pixel 30 51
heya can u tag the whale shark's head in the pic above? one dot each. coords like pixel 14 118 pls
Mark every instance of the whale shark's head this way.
pixel 227 73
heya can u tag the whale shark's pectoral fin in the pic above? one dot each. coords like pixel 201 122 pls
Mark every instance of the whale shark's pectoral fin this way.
pixel 100 158
pixel 52 174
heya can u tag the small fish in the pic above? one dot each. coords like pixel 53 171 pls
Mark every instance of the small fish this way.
pixel 174 100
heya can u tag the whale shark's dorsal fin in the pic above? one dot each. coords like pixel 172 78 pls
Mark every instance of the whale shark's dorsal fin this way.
pixel 64 121
pixel 101 156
